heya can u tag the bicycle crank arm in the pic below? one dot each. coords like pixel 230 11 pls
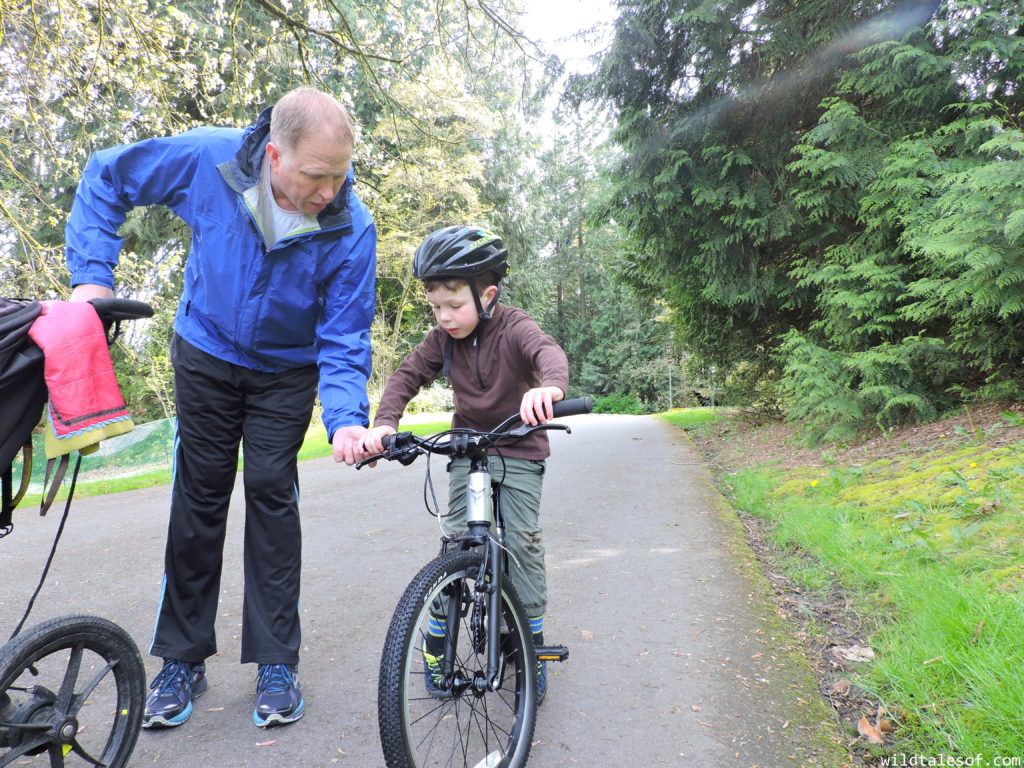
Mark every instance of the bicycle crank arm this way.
pixel 552 653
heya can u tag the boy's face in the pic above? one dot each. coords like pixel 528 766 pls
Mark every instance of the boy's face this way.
pixel 455 311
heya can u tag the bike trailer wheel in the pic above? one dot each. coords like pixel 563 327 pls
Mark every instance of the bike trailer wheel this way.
pixel 72 691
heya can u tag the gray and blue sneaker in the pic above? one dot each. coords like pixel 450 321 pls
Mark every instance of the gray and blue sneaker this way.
pixel 542 681
pixel 278 696
pixel 175 686
pixel 432 675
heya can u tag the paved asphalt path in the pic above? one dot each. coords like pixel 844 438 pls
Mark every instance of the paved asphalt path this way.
pixel 676 655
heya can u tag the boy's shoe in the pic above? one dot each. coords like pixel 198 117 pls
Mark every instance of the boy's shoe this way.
pixel 278 696
pixel 542 681
pixel 432 675
pixel 172 690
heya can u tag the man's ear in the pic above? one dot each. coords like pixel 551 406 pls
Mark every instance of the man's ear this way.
pixel 273 154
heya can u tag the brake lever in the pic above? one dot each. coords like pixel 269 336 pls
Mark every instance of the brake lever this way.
pixel 370 460
pixel 399 447
pixel 523 430
pixel 405 458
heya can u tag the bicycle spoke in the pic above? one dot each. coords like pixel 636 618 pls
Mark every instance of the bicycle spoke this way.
pixel 84 694
pixel 26 746
pixel 67 687
pixel 78 750
pixel 56 755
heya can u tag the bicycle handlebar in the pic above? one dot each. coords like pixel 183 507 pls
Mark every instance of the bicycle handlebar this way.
pixel 404 447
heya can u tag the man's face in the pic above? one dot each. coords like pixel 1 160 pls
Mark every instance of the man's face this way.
pixel 307 177
pixel 455 311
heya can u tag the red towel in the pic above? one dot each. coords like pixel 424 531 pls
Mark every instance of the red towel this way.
pixel 84 393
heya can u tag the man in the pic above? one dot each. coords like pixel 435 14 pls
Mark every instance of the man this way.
pixel 279 287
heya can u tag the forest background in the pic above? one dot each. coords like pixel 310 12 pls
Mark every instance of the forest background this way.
pixel 816 207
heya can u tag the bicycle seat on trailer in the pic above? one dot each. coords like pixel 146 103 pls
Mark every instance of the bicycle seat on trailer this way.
pixel 113 311
pixel 23 391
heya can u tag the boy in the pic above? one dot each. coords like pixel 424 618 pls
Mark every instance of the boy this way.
pixel 499 362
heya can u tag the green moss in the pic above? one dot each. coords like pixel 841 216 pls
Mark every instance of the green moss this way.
pixel 929 551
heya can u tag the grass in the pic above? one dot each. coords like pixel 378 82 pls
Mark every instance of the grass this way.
pixel 691 418
pixel 314 447
pixel 931 551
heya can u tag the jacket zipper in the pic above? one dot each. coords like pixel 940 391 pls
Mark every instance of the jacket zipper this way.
pixel 479 376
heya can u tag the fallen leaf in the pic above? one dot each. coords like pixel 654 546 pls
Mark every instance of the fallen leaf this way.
pixel 854 653
pixel 695 708
pixel 870 732
pixel 841 687
pixel 885 726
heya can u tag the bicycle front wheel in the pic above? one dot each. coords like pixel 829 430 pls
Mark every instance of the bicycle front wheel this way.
pixel 461 721
pixel 71 694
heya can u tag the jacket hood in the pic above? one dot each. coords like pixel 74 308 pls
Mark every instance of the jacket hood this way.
pixel 243 172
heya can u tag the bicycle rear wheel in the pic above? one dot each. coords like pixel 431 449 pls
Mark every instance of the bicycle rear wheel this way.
pixel 71 694
pixel 467 725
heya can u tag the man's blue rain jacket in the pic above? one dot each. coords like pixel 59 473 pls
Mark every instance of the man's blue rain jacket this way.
pixel 308 299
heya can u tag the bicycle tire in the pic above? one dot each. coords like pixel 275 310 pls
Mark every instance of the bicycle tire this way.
pixel 72 691
pixel 471 728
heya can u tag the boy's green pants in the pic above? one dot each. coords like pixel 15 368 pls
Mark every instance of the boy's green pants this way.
pixel 521 481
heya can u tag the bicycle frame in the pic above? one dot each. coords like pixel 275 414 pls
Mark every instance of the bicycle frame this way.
pixel 485 529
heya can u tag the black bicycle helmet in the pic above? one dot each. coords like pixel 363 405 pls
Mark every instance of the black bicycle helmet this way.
pixel 460 252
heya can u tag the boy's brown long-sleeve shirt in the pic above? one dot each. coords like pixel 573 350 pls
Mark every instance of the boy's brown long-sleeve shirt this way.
pixel 490 372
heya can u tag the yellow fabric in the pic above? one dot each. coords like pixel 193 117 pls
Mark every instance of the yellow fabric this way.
pixel 87 442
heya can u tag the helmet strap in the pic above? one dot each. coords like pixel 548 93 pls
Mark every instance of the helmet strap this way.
pixel 484 314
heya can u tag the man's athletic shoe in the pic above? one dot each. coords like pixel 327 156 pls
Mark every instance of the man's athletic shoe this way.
pixel 172 690
pixel 278 696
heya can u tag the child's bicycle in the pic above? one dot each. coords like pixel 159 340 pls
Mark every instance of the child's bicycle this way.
pixel 458 675
pixel 72 688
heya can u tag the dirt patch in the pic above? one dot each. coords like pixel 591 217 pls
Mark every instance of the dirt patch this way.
pixel 748 441
pixel 834 633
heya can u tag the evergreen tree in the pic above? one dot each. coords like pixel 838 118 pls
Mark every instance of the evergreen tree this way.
pixel 823 193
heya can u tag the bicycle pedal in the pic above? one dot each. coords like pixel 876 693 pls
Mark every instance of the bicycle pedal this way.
pixel 552 653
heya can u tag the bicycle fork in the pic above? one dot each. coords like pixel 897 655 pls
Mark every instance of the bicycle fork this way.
pixel 481 520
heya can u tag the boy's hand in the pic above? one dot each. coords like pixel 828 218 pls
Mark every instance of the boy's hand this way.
pixel 346 446
pixel 536 406
pixel 372 442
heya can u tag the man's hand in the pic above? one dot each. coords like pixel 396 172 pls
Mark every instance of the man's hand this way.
pixel 536 406
pixel 86 291
pixel 346 445
pixel 372 442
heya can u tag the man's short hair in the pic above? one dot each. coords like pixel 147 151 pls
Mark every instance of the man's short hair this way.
pixel 304 110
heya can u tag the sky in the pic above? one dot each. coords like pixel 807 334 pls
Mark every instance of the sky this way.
pixel 553 22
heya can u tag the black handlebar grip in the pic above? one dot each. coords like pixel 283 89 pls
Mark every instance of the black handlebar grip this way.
pixel 110 310
pixel 573 407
